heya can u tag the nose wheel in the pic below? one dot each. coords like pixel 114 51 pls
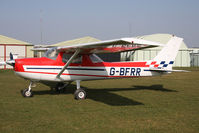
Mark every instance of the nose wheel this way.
pixel 79 94
pixel 28 92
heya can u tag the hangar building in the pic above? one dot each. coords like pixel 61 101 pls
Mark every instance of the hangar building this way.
pixel 20 48
pixel 194 55
pixel 182 59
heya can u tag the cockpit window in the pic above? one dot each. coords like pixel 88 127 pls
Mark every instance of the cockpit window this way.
pixel 51 53
pixel 95 59
pixel 77 59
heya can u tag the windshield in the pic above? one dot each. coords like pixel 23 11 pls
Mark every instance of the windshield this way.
pixel 51 53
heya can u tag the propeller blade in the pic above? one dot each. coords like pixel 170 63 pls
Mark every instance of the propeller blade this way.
pixel 11 56
pixel 9 62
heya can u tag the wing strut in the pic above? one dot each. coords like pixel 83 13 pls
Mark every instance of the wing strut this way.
pixel 68 63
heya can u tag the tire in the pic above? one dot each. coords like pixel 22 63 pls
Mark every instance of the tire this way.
pixel 80 94
pixel 27 93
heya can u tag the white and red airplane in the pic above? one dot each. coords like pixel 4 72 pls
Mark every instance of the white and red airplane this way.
pixel 63 65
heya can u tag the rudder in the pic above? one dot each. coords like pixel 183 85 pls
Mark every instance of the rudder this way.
pixel 168 53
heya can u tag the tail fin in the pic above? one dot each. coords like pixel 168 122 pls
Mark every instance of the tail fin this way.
pixel 168 53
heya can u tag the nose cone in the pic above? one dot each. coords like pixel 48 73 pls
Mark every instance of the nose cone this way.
pixel 20 63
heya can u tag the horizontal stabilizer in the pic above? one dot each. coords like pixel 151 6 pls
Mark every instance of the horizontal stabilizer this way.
pixel 165 70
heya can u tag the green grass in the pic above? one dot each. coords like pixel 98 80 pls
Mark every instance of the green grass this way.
pixel 166 104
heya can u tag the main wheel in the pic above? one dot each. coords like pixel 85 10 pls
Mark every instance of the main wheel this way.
pixel 27 93
pixel 80 94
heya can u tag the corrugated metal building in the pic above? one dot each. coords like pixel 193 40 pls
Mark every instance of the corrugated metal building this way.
pixel 20 48
pixel 182 59
pixel 194 55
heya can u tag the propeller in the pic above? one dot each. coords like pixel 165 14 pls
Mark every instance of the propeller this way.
pixel 9 62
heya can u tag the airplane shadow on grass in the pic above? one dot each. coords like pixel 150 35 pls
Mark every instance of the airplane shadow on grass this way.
pixel 106 96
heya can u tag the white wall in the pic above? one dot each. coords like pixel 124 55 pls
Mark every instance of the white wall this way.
pixel 20 50
pixel 1 55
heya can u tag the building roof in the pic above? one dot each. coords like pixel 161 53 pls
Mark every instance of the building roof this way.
pixel 161 38
pixel 9 40
pixel 86 39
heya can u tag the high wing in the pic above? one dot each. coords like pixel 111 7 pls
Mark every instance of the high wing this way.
pixel 110 46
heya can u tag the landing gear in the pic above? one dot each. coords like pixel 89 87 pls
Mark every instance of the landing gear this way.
pixel 79 94
pixel 28 92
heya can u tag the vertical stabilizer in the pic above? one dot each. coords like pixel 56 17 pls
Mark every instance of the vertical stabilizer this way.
pixel 168 53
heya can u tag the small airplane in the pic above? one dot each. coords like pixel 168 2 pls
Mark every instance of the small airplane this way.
pixel 62 65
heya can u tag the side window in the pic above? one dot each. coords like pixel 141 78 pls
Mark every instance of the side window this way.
pixel 95 59
pixel 77 60
pixel 66 57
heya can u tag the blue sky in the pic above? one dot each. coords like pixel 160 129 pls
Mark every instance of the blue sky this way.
pixel 104 19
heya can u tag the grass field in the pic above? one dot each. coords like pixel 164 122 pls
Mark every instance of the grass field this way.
pixel 167 104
